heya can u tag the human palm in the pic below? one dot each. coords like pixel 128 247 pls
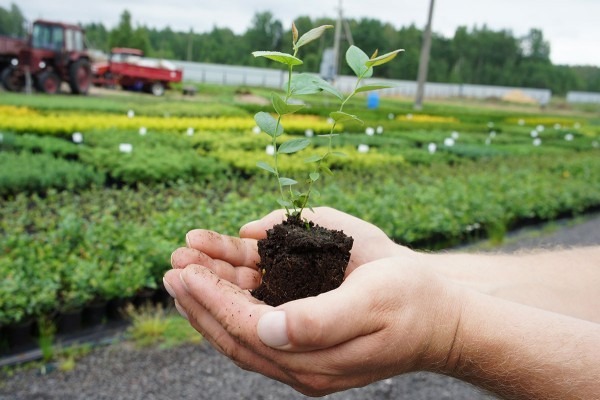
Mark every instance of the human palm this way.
pixel 235 258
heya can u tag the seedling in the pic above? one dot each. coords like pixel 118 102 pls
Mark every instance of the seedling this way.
pixel 298 258
pixel 291 197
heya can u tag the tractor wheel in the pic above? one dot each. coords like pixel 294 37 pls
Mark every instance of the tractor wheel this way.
pixel 12 80
pixel 48 82
pixel 80 76
pixel 157 89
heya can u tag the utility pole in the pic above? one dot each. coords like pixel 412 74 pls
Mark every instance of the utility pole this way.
pixel 341 23
pixel 336 43
pixel 424 60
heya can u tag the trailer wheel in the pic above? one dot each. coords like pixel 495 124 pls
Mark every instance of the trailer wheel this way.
pixel 80 76
pixel 157 88
pixel 48 82
pixel 12 80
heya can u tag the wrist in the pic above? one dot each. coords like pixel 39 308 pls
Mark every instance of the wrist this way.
pixel 444 345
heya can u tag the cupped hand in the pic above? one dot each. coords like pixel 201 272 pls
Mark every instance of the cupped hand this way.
pixel 234 259
pixel 388 317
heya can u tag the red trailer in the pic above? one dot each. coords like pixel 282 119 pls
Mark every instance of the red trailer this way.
pixel 54 52
pixel 129 69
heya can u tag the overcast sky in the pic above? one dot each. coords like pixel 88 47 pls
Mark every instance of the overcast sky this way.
pixel 571 26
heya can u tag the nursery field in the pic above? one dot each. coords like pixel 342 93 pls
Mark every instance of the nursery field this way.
pixel 96 192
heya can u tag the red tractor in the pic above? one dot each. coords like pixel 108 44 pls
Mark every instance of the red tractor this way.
pixel 53 53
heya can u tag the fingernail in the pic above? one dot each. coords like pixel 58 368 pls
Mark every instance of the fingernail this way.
pixel 246 226
pixel 182 279
pixel 169 288
pixel 272 329
pixel 180 310
pixel 187 240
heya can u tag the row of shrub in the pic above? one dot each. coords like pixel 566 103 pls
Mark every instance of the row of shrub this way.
pixel 65 250
pixel 65 123
pixel 156 156
pixel 33 164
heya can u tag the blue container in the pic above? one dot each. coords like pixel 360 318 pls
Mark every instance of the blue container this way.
pixel 372 100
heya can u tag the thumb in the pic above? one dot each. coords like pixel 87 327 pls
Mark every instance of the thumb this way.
pixel 258 229
pixel 317 322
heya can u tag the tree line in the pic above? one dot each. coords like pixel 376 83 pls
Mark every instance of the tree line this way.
pixel 475 55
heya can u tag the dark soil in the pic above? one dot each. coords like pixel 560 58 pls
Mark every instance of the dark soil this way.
pixel 299 259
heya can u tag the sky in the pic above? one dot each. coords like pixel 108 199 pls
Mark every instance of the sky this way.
pixel 571 26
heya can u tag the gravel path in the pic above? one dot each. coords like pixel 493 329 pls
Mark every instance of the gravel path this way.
pixel 121 371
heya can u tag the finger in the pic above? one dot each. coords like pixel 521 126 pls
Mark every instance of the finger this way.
pixel 228 317
pixel 230 249
pixel 244 277
pixel 213 331
pixel 258 229
pixel 318 322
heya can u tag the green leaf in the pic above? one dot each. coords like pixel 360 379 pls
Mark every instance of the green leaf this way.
pixel 326 170
pixel 314 176
pixel 311 84
pixel 313 158
pixel 339 154
pixel 367 88
pixel 282 107
pixel 283 58
pixel 266 167
pixel 326 87
pixel 315 192
pixel 357 60
pixel 268 124
pixel 300 201
pixel 311 35
pixel 384 58
pixel 340 116
pixel 293 146
pixel 287 181
pixel 304 84
pixel 284 203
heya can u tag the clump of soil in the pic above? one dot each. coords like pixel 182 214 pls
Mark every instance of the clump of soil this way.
pixel 300 259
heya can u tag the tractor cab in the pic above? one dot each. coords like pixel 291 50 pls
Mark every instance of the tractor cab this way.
pixel 57 37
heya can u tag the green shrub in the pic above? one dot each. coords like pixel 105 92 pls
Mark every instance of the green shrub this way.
pixel 36 173
pixel 152 165
pixel 57 147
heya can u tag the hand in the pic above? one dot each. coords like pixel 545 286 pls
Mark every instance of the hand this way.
pixel 388 317
pixel 234 259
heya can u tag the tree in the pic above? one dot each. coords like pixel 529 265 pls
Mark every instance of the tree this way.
pixel 535 47
pixel 12 21
pixel 264 33
pixel 121 35
pixel 125 36
pixel 96 36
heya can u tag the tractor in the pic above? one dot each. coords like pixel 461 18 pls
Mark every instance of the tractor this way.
pixel 53 53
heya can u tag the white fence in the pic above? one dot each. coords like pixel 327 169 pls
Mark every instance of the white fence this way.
pixel 583 97
pixel 445 90
pixel 273 78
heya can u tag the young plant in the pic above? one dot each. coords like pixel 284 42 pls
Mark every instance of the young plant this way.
pixel 291 198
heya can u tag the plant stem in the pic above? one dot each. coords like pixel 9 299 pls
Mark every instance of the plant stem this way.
pixel 276 167
pixel 288 94
pixel 330 144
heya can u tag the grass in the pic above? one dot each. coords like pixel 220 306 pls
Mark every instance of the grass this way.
pixel 151 325
pixel 155 325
